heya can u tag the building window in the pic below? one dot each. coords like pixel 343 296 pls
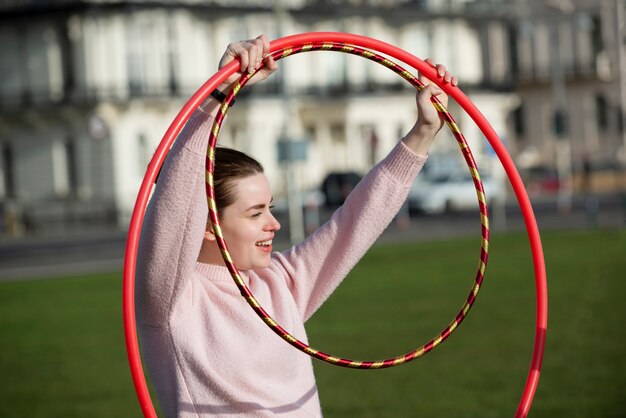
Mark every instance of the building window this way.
pixel 8 170
pixel 602 108
pixel 372 142
pixel 512 39
pixel 143 153
pixel 12 64
pixel 72 166
pixel 135 59
pixel 151 53
pixel 518 120
pixel 596 35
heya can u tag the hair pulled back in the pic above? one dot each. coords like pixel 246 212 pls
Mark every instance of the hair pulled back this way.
pixel 231 165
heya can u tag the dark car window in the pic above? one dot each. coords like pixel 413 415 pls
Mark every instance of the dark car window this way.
pixel 338 185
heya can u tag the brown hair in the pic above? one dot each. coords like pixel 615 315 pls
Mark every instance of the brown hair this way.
pixel 231 165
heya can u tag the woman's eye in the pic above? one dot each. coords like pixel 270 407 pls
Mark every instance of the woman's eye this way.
pixel 259 213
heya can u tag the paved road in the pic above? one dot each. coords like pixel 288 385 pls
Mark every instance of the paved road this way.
pixel 48 257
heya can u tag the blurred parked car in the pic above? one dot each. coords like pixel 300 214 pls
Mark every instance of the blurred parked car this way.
pixel 451 191
pixel 338 185
pixel 541 180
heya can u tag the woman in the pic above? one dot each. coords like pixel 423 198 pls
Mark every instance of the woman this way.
pixel 205 351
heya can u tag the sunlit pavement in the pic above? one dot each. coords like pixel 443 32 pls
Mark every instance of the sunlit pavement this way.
pixel 48 257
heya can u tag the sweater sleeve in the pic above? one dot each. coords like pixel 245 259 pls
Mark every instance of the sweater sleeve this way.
pixel 315 267
pixel 173 225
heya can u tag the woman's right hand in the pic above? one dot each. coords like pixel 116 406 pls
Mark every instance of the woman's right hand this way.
pixel 250 54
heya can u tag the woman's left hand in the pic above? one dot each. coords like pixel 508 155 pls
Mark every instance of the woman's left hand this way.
pixel 421 136
pixel 429 119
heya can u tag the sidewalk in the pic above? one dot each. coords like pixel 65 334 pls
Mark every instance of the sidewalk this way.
pixel 47 257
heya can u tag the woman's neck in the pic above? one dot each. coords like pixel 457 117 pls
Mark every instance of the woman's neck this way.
pixel 210 253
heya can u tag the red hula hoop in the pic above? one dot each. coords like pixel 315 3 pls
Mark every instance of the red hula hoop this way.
pixel 128 290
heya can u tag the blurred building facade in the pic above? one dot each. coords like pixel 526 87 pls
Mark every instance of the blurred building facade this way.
pixel 566 57
pixel 88 88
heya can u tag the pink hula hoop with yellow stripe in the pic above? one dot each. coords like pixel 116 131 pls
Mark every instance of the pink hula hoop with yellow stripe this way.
pixel 358 45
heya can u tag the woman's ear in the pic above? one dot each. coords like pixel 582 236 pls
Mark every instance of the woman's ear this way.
pixel 209 235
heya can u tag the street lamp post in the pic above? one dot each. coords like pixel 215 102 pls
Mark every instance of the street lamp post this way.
pixel 288 143
pixel 560 115
pixel 621 68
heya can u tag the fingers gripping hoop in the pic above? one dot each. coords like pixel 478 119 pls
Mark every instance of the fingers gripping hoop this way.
pixel 358 45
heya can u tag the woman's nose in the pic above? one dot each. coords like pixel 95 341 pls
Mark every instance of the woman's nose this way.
pixel 273 224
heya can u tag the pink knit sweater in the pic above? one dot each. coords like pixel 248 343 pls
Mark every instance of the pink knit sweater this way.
pixel 205 350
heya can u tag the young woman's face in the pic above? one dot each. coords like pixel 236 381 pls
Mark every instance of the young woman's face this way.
pixel 248 224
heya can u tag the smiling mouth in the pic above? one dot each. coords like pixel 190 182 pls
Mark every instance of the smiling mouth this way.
pixel 267 243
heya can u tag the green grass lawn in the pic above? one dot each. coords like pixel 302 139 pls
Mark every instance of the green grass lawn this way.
pixel 62 346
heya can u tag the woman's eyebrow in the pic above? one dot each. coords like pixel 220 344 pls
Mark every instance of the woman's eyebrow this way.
pixel 256 207
pixel 260 205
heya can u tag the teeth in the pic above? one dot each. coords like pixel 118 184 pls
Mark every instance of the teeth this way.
pixel 264 243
